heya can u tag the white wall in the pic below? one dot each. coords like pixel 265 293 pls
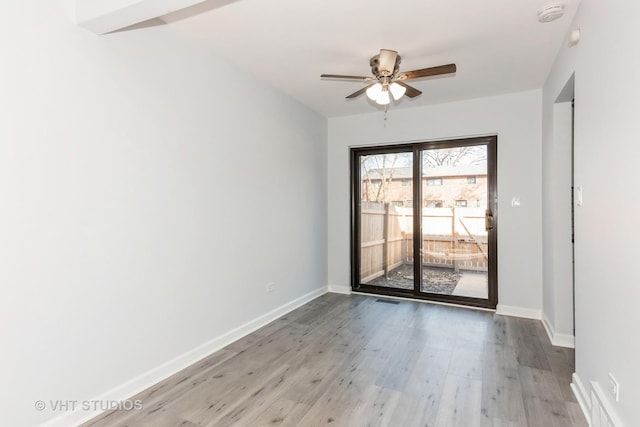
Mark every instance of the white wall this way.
pixel 607 83
pixel 149 191
pixel 516 119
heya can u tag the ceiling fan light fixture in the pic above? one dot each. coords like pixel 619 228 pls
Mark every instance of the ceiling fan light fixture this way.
pixel 374 91
pixel 397 91
pixel 383 98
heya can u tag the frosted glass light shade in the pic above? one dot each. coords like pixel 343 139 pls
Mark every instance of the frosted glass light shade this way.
pixel 397 90
pixel 383 98
pixel 374 91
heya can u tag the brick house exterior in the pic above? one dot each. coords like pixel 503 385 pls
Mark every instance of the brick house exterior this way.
pixel 442 186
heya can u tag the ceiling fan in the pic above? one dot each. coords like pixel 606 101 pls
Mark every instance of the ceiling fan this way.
pixel 387 79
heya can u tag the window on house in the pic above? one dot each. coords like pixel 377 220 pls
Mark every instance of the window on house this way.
pixel 434 204
pixel 398 203
pixel 471 180
pixel 406 183
pixel 461 203
pixel 408 203
pixel 434 181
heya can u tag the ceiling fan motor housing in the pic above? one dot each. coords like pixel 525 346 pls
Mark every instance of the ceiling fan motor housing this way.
pixel 382 65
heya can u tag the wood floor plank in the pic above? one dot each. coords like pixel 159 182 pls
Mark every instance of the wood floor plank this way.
pixel 461 402
pixel 282 412
pixel 375 408
pixel 539 383
pixel 466 362
pixel 501 387
pixel 498 422
pixel 529 349
pixel 351 360
pixel 422 394
pixel 543 412
pixel 401 363
pixel 497 331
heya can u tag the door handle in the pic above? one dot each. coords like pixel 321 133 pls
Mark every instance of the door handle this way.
pixel 488 220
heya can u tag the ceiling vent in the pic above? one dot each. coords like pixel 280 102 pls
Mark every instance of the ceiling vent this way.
pixel 551 12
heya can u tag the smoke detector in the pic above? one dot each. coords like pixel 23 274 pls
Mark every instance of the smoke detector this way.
pixel 551 12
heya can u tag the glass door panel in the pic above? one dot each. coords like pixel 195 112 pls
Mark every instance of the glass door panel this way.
pixel 454 242
pixel 386 220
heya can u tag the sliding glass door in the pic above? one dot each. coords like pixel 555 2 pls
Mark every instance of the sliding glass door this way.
pixel 437 200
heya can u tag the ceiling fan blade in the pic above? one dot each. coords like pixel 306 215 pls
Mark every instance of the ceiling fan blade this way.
pixel 387 61
pixel 411 92
pixel 428 72
pixel 359 92
pixel 339 76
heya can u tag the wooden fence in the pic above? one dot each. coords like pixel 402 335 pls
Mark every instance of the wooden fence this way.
pixel 452 238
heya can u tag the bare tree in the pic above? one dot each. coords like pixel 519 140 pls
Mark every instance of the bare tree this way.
pixel 474 154
pixel 378 168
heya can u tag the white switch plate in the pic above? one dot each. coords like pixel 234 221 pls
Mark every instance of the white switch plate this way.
pixel 579 195
pixel 515 202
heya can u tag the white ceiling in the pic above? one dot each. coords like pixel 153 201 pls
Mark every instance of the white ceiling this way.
pixel 498 45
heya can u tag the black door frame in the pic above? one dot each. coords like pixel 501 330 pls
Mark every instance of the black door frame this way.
pixel 492 203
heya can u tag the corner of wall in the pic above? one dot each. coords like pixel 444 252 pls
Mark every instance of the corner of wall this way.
pixel 340 289
pixel 559 340
pixel 513 311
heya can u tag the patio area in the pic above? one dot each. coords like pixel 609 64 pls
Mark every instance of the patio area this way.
pixel 437 280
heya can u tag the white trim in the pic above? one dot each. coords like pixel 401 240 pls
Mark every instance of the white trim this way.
pixel 603 413
pixel 339 289
pixel 560 340
pixel 513 311
pixel 583 398
pixel 159 373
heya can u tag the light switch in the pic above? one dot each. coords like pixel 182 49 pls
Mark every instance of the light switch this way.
pixel 515 202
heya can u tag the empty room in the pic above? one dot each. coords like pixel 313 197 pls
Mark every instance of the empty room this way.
pixel 306 213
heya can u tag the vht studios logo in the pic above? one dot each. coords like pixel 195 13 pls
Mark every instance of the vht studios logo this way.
pixel 89 405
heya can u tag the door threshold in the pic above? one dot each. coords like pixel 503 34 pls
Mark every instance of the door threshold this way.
pixel 426 301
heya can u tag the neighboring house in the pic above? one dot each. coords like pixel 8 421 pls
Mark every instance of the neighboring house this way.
pixel 442 186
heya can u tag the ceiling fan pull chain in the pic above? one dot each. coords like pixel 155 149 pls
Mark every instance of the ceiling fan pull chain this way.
pixel 386 107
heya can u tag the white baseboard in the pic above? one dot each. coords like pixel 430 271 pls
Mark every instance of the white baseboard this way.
pixel 159 373
pixel 560 340
pixel 338 289
pixel 583 398
pixel 513 311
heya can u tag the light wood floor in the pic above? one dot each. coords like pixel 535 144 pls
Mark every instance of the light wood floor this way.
pixel 357 361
